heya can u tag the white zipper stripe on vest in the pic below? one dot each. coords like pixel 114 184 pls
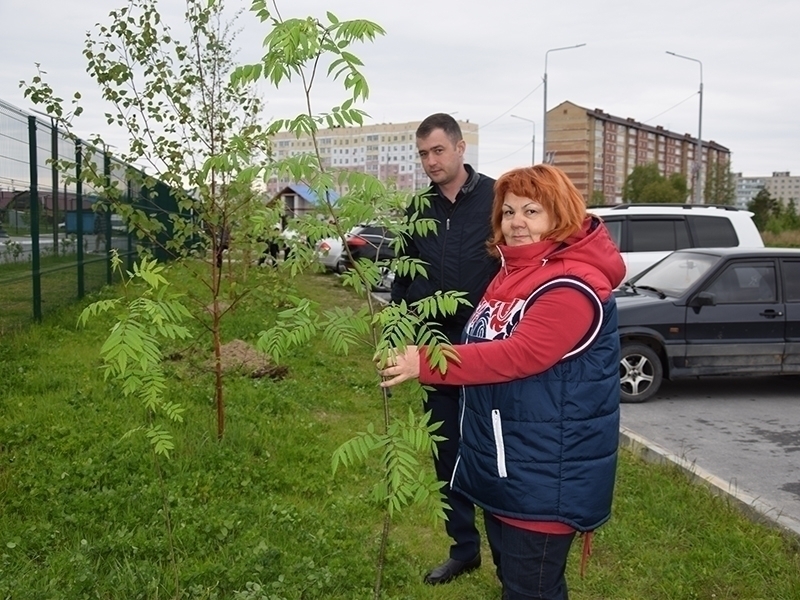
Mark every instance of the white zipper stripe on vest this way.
pixel 497 426
pixel 592 296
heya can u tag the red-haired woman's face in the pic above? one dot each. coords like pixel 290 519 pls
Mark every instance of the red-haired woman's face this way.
pixel 524 220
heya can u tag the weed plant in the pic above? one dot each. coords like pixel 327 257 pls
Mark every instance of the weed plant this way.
pixel 86 512
pixel 786 239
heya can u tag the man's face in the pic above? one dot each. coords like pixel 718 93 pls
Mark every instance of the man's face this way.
pixel 441 158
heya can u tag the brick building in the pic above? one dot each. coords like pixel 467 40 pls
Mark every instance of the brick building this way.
pixel 598 151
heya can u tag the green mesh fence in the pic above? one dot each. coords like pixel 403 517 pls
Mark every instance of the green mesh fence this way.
pixel 55 246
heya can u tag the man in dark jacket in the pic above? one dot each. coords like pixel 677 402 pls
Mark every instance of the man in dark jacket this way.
pixel 456 259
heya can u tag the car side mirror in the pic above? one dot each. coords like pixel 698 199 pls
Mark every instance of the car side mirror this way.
pixel 704 299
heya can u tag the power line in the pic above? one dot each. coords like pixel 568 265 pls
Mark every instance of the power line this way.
pixel 507 155
pixel 671 107
pixel 512 108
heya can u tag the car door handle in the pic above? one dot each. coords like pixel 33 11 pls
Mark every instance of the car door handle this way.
pixel 771 314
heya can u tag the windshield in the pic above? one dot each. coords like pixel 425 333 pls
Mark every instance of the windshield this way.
pixel 676 273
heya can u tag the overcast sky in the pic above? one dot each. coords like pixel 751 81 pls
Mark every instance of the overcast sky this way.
pixel 484 61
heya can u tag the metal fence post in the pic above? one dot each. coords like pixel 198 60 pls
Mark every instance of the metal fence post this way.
pixel 54 179
pixel 79 216
pixel 129 237
pixel 34 230
pixel 107 214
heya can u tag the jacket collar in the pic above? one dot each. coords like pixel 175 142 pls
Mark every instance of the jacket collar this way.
pixel 513 257
pixel 472 181
pixel 587 245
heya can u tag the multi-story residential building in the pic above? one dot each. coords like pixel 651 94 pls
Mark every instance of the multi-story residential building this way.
pixel 747 188
pixel 782 185
pixel 386 150
pixel 598 151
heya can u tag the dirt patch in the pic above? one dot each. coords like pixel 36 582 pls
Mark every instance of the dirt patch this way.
pixel 238 356
pixel 223 306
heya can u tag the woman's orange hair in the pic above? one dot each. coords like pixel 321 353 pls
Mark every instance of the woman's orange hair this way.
pixel 550 187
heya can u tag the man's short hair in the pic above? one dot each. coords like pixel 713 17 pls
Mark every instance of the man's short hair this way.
pixel 441 121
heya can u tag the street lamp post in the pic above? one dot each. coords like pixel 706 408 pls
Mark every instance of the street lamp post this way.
pixel 698 160
pixel 544 80
pixel 533 139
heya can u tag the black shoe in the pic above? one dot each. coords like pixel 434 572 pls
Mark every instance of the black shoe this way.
pixel 450 569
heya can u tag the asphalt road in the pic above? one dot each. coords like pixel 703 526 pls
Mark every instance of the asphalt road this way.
pixel 745 432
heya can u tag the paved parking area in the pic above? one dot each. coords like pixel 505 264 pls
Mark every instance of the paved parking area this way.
pixel 740 435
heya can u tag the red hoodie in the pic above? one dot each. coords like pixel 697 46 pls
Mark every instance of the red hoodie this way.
pixel 554 324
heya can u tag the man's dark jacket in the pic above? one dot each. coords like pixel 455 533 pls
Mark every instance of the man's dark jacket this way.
pixel 455 256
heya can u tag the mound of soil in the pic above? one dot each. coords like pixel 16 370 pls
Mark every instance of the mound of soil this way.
pixel 239 356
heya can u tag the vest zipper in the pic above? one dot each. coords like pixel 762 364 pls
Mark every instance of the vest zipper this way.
pixel 497 426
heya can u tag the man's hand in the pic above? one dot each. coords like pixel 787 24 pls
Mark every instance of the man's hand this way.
pixel 401 367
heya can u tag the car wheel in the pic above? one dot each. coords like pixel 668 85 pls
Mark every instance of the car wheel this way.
pixel 384 284
pixel 340 267
pixel 640 373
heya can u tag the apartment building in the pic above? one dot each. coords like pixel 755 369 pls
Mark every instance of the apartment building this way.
pixel 598 150
pixel 781 185
pixel 784 186
pixel 747 188
pixel 386 150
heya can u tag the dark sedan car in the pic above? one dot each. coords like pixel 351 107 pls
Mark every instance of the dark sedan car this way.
pixel 719 311
pixel 374 243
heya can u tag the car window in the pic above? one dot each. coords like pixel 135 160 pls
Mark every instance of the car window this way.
pixel 677 272
pixel 791 277
pixel 713 232
pixel 657 235
pixel 615 231
pixel 745 282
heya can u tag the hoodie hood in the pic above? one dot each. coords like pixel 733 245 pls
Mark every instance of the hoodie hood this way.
pixel 589 254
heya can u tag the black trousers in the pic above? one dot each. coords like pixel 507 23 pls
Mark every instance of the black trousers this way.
pixel 533 564
pixel 460 524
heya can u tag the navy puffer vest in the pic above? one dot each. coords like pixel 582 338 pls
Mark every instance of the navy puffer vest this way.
pixel 544 448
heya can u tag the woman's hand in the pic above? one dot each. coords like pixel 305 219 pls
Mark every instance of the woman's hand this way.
pixel 401 367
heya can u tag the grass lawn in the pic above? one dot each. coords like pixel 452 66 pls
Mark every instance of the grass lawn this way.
pixel 59 286
pixel 258 515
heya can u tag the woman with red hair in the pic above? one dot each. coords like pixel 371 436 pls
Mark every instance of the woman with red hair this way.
pixel 539 366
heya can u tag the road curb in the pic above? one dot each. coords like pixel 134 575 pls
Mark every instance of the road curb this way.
pixel 380 300
pixel 755 509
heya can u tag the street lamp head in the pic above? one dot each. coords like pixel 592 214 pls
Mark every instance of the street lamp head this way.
pixel 526 119
pixel 698 61
pixel 533 139
pixel 556 50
